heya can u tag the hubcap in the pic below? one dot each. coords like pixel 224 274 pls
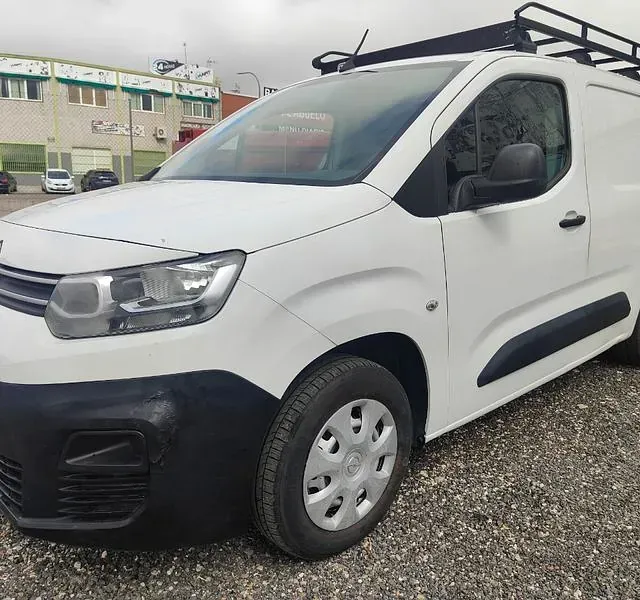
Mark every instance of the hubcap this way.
pixel 350 464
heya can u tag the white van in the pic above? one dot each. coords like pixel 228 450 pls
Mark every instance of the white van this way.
pixel 345 269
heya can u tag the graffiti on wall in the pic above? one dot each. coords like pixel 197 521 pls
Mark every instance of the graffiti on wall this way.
pixel 113 128
pixel 197 90
pixel 24 66
pixel 146 83
pixel 81 74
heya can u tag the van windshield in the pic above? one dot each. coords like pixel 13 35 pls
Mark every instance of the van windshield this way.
pixel 328 131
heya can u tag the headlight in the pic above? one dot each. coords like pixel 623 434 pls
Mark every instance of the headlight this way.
pixel 142 298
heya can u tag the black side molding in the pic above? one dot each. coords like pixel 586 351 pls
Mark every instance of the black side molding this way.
pixel 555 335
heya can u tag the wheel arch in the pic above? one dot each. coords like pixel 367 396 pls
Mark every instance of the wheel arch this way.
pixel 397 353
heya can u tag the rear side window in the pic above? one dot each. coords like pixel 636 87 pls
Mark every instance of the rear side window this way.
pixel 510 112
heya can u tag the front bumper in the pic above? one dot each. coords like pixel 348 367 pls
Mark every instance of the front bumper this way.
pixel 55 189
pixel 138 463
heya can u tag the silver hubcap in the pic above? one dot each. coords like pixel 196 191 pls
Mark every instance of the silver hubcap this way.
pixel 350 464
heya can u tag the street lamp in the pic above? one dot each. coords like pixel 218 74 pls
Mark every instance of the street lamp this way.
pixel 255 77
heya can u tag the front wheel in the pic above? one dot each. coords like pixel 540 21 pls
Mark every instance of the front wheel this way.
pixel 334 458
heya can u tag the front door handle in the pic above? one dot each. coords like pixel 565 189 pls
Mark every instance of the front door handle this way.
pixel 569 222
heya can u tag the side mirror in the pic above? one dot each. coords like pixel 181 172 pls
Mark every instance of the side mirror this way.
pixel 519 172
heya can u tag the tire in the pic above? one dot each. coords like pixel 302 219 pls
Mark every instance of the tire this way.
pixel 283 506
pixel 628 352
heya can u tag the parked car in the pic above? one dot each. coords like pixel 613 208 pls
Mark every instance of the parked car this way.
pixel 98 179
pixel 264 328
pixel 8 183
pixel 58 181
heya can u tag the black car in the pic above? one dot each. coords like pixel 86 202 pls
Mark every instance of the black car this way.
pixel 7 183
pixel 98 179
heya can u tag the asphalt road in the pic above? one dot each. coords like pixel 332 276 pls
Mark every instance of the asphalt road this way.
pixel 540 499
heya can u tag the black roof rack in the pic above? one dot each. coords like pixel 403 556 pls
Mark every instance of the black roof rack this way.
pixel 587 43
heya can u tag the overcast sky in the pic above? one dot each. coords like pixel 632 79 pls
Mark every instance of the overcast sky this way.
pixel 274 38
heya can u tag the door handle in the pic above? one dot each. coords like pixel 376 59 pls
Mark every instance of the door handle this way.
pixel 576 221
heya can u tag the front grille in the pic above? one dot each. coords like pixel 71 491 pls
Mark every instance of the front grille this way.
pixel 11 484
pixel 92 497
pixel 25 291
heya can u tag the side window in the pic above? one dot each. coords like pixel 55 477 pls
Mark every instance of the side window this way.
pixel 511 112
pixel 516 112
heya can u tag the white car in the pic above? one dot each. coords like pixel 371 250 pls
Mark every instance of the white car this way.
pixel 58 181
pixel 347 268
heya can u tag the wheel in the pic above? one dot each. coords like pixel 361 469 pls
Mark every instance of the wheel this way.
pixel 334 458
pixel 628 352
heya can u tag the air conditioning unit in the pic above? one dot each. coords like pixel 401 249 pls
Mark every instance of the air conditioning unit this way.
pixel 161 133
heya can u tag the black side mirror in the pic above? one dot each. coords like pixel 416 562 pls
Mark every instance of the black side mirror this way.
pixel 519 172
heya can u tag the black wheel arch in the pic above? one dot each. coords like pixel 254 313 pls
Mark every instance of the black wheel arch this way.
pixel 399 354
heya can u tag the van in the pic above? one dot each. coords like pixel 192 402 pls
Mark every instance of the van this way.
pixel 341 272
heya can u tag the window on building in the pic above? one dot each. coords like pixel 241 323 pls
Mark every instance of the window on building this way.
pixel 510 112
pixel 23 158
pixel 192 108
pixel 87 96
pixel 20 89
pixel 147 102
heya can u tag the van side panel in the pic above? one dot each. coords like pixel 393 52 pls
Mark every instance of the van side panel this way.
pixel 612 147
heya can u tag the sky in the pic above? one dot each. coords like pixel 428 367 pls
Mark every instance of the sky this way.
pixel 276 39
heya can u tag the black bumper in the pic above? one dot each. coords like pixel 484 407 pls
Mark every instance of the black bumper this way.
pixel 139 463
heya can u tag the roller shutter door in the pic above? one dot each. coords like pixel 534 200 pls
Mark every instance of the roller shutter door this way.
pixel 144 161
pixel 86 159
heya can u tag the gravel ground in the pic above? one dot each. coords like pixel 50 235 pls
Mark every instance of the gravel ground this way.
pixel 12 202
pixel 540 499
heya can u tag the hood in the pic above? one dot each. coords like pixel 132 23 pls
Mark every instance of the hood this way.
pixel 203 216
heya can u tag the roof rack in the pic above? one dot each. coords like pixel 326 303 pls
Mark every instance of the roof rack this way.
pixel 588 44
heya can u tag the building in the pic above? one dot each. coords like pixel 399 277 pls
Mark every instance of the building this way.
pixel 75 116
pixel 234 102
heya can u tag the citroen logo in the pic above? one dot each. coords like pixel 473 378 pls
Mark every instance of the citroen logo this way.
pixel 353 464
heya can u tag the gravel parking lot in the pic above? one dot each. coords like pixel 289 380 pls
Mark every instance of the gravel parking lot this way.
pixel 12 202
pixel 540 499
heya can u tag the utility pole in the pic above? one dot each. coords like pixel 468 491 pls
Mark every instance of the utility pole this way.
pixel 186 61
pixel 133 170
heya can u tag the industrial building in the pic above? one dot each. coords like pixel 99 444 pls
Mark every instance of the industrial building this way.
pixel 75 116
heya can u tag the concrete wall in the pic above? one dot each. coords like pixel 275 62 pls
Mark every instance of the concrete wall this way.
pixel 52 160
pixel 65 161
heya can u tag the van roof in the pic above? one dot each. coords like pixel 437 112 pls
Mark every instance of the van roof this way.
pixel 550 35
